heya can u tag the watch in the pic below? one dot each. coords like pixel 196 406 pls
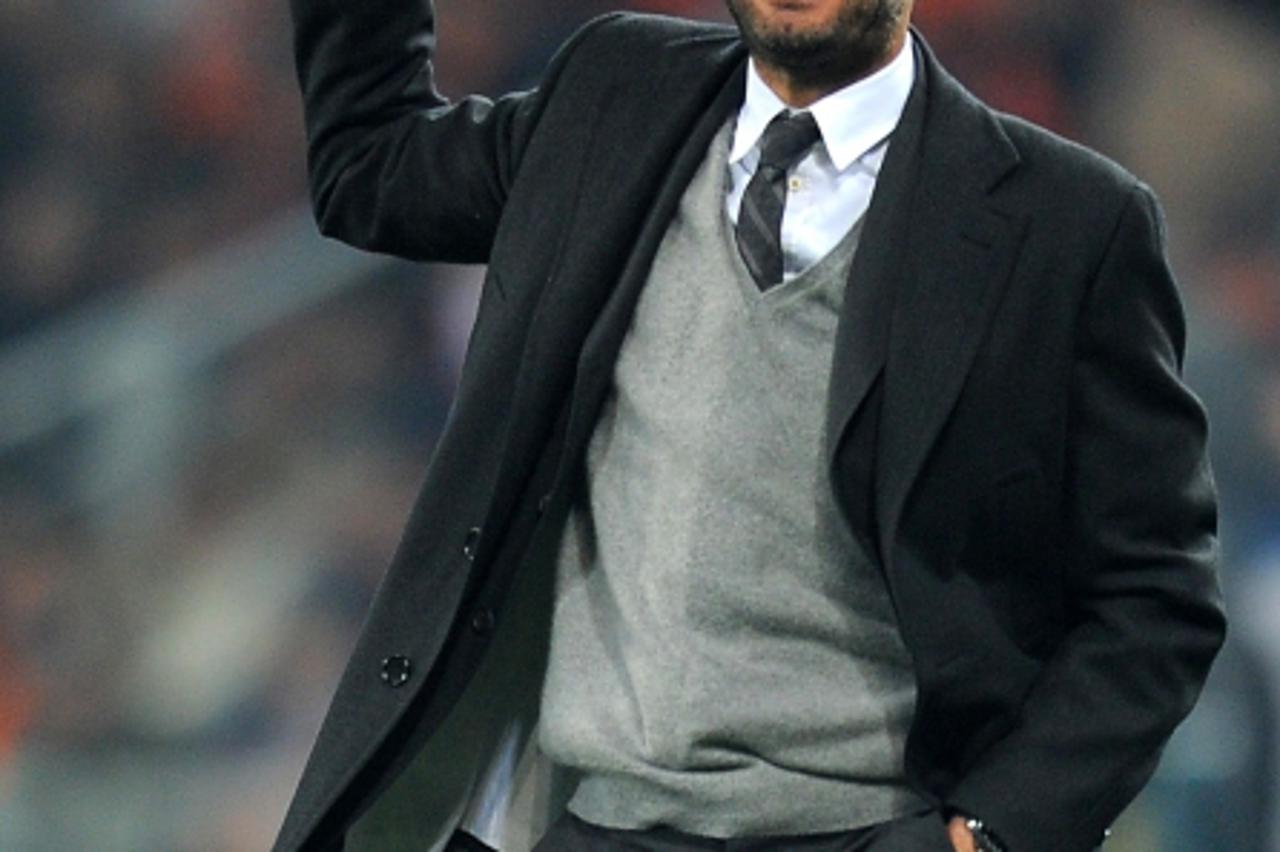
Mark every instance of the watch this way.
pixel 982 836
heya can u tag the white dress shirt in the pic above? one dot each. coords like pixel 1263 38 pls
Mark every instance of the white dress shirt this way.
pixel 830 189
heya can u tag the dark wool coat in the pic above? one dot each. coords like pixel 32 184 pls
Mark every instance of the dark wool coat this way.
pixel 1009 432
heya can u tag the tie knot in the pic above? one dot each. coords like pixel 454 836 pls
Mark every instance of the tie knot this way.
pixel 787 139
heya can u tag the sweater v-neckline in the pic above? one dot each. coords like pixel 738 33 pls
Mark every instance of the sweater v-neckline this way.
pixel 790 290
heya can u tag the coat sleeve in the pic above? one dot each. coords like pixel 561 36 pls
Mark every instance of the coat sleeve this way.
pixel 1147 615
pixel 394 167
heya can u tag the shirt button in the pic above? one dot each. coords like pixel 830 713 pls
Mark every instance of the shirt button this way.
pixel 396 671
pixel 796 184
pixel 483 621
pixel 470 544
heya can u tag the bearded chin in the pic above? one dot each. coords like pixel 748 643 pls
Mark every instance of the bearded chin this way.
pixel 854 44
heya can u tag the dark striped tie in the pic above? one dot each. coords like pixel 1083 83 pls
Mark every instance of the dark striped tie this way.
pixel 785 142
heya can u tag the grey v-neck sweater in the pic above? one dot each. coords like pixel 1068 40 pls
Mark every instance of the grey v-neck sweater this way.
pixel 724 658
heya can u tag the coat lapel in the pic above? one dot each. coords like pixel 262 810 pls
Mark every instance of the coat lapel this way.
pixel 600 351
pixel 956 249
pixel 862 333
pixel 647 146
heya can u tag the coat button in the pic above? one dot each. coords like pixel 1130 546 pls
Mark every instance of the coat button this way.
pixel 396 671
pixel 483 621
pixel 543 502
pixel 469 545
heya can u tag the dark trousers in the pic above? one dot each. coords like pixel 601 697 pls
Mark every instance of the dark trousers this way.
pixel 919 832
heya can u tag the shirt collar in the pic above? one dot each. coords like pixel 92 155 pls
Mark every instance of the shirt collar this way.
pixel 853 120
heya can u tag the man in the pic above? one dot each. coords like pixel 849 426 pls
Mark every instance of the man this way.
pixel 820 476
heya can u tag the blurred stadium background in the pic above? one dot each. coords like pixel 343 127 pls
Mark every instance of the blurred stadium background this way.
pixel 213 421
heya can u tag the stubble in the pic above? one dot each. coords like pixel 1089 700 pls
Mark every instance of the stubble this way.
pixel 857 42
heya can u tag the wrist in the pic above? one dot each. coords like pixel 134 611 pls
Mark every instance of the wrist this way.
pixel 984 839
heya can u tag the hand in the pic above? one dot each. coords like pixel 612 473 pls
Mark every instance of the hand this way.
pixel 961 837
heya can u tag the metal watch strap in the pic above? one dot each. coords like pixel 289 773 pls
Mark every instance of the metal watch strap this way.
pixel 982 836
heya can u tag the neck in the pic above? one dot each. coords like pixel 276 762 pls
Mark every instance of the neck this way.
pixel 802 89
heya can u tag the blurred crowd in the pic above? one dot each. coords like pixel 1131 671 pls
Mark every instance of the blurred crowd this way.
pixel 167 649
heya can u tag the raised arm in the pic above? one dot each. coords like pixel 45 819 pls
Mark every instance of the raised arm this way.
pixel 394 167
